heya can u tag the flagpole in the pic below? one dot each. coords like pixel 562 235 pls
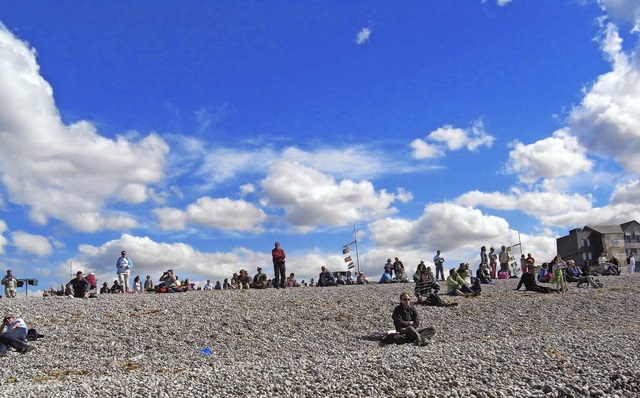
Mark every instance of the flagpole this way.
pixel 355 238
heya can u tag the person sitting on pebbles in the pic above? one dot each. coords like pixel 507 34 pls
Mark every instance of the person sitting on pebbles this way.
pixel 456 286
pixel 426 291
pixel 79 287
pixel 105 289
pixel 260 280
pixel 14 334
pixel 326 278
pixel 406 321
pixel 528 279
pixel 469 281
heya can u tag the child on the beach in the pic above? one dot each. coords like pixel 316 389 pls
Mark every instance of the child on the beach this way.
pixel 558 274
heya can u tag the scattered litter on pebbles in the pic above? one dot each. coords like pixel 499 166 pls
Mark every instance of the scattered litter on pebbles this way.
pixel 307 342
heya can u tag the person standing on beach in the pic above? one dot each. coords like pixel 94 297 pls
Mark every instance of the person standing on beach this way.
pixel 632 264
pixel 503 257
pixel 438 260
pixel 484 259
pixel 123 269
pixel 10 283
pixel 279 269
pixel 493 261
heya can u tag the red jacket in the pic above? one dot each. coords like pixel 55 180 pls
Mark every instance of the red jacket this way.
pixel 92 280
pixel 278 255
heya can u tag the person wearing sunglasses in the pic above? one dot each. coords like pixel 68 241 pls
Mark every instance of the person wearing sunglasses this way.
pixel 406 321
pixel 14 334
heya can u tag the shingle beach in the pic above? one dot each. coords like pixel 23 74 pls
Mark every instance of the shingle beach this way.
pixel 308 342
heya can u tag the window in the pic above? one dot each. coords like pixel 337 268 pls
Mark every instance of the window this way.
pixel 627 238
pixel 590 257
pixel 585 243
pixel 584 256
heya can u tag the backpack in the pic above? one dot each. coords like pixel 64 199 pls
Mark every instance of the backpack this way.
pixel 32 335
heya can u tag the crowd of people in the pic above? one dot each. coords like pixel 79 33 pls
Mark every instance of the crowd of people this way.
pixel 459 281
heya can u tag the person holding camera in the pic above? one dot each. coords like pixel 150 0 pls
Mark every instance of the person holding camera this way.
pixel 10 283
pixel 169 281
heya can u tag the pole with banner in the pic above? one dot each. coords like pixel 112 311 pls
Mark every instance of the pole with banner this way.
pixel 345 250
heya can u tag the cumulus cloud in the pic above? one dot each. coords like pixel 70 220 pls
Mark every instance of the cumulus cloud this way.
pixel 217 213
pixel 311 198
pixel 29 243
pixel 560 155
pixel 534 203
pixel 611 214
pixel 607 120
pixel 445 226
pixel 623 10
pixel 453 139
pixel 425 150
pixel 363 35
pixel 51 167
pixel 3 239
pixel 626 193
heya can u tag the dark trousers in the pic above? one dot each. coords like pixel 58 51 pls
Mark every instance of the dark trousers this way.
pixel 13 338
pixel 279 270
pixel 440 271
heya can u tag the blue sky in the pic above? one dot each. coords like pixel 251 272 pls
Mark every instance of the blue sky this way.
pixel 195 134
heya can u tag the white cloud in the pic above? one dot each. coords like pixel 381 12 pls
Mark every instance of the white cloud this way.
pixel 247 189
pixel 218 213
pixel 560 155
pixel 534 203
pixel 29 243
pixel 3 239
pixel 363 35
pixel 355 161
pixel 51 167
pixel 626 193
pixel 623 10
pixel 444 226
pixel 503 3
pixel 424 150
pixel 608 119
pixel 611 214
pixel 311 198
pixel 452 139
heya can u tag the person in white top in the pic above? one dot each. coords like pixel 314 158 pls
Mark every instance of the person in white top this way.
pixel 632 264
pixel 123 268
pixel 208 285
pixel 14 334
pixel 602 259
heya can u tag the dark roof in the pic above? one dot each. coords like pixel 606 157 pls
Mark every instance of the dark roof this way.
pixel 626 225
pixel 605 229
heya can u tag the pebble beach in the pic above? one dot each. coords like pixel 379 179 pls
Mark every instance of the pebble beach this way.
pixel 311 342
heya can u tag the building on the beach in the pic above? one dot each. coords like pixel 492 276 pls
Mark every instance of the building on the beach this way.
pixel 589 242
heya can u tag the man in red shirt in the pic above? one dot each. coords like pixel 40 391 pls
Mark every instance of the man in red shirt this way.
pixel 279 268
